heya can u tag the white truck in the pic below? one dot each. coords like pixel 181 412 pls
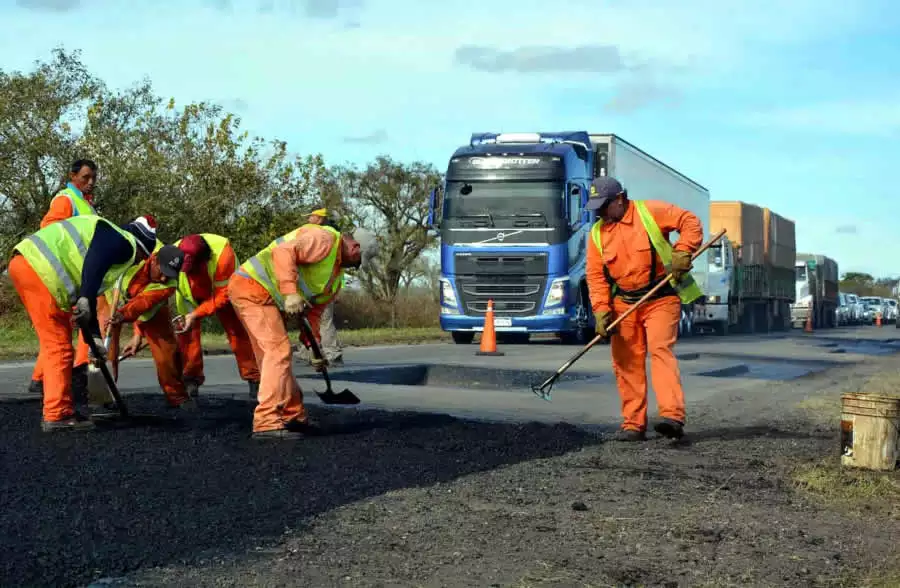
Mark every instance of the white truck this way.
pixel 647 178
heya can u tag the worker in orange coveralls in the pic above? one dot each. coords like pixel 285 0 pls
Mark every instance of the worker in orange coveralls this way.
pixel 298 272
pixel 146 291
pixel 202 292
pixel 629 253
pixel 76 199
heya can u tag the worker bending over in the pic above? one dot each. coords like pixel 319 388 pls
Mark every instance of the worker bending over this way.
pixel 628 254
pixel 298 272
pixel 70 263
pixel 329 343
pixel 209 261
pixel 146 288
pixel 75 199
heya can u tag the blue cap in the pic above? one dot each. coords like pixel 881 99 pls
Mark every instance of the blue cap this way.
pixel 603 189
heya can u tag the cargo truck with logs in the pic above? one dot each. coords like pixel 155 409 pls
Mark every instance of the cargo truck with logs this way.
pixel 816 291
pixel 750 286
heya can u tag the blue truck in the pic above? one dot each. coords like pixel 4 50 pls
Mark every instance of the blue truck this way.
pixel 513 229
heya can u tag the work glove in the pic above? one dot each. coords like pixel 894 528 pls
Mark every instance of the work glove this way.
pixel 294 304
pixel 188 323
pixel 82 312
pixel 115 318
pixel 318 364
pixel 602 320
pixel 681 264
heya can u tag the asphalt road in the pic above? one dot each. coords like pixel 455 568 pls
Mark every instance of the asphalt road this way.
pixel 400 493
pixel 454 380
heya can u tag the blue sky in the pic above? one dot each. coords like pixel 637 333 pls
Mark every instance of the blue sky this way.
pixel 790 104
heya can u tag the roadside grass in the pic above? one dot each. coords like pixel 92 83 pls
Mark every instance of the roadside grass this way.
pixel 18 340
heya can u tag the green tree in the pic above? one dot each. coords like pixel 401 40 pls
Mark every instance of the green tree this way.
pixel 391 199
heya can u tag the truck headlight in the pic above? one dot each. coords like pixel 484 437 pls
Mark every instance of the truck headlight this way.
pixel 448 296
pixel 557 293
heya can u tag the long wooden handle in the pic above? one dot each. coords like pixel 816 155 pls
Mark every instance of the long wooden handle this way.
pixel 662 283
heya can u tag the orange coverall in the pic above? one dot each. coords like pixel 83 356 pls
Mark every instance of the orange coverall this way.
pixel 54 331
pixel 216 302
pixel 159 333
pixel 653 326
pixel 61 209
pixel 280 397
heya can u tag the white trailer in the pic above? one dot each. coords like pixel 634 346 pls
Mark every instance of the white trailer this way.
pixel 647 178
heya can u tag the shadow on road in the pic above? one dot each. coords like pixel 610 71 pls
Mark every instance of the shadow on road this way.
pixel 77 507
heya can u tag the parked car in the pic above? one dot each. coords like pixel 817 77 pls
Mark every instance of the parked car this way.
pixel 877 305
pixel 892 309
pixel 842 311
pixel 856 309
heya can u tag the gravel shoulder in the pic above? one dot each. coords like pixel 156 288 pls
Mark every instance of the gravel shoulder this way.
pixel 756 498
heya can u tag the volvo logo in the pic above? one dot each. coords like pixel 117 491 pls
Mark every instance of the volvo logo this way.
pixel 501 236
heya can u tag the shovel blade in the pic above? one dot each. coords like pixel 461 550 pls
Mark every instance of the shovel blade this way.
pixel 97 389
pixel 345 396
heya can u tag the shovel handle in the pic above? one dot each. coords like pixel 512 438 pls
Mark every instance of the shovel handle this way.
pixel 630 310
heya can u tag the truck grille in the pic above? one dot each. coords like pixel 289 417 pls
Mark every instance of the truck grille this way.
pixel 515 282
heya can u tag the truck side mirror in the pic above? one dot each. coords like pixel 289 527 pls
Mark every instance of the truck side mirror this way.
pixel 431 201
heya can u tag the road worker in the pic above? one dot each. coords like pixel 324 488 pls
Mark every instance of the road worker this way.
pixel 75 199
pixel 70 263
pixel 202 291
pixel 299 272
pixel 629 253
pixel 146 289
pixel 329 344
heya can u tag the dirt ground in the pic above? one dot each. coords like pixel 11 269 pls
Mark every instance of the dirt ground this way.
pixel 755 498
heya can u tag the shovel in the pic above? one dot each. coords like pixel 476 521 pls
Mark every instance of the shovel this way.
pixel 99 386
pixel 543 390
pixel 328 397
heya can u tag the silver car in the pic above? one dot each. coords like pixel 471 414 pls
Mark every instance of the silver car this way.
pixel 856 309
pixel 892 309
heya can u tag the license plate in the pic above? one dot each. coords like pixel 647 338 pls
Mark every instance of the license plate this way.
pixel 502 321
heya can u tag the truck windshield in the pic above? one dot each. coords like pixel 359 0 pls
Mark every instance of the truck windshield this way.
pixel 495 200
pixel 801 273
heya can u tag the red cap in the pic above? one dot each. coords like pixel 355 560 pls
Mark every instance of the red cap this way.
pixel 193 246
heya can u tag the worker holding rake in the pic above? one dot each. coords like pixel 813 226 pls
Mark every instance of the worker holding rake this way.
pixel 627 254
pixel 297 273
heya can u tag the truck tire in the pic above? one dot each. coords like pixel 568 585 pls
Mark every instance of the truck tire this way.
pixel 584 329
pixel 462 337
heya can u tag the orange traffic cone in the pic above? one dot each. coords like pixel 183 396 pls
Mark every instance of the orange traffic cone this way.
pixel 808 327
pixel 488 335
pixel 877 319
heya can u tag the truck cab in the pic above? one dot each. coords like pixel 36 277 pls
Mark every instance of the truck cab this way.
pixel 513 228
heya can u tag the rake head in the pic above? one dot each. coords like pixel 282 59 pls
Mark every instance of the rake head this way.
pixel 543 390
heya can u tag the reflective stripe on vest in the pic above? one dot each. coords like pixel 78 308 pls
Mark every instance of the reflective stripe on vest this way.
pixel 318 283
pixel 130 273
pixel 80 205
pixel 185 302
pixel 57 252
pixel 687 288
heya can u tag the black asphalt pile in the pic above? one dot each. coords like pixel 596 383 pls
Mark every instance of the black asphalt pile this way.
pixel 78 507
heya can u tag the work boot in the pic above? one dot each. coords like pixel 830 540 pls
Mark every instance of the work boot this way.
pixel 307 427
pixel 76 422
pixel 192 387
pixel 670 429
pixel 278 434
pixel 628 436
pixel 36 387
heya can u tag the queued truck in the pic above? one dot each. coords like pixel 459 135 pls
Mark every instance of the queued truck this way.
pixel 816 291
pixel 513 228
pixel 750 287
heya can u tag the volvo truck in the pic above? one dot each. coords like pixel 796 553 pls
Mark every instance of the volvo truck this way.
pixel 513 228
pixel 817 291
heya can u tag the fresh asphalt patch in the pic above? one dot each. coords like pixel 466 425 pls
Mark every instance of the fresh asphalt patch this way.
pixel 82 506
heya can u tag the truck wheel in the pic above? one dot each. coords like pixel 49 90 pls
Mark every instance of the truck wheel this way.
pixel 584 331
pixel 462 337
